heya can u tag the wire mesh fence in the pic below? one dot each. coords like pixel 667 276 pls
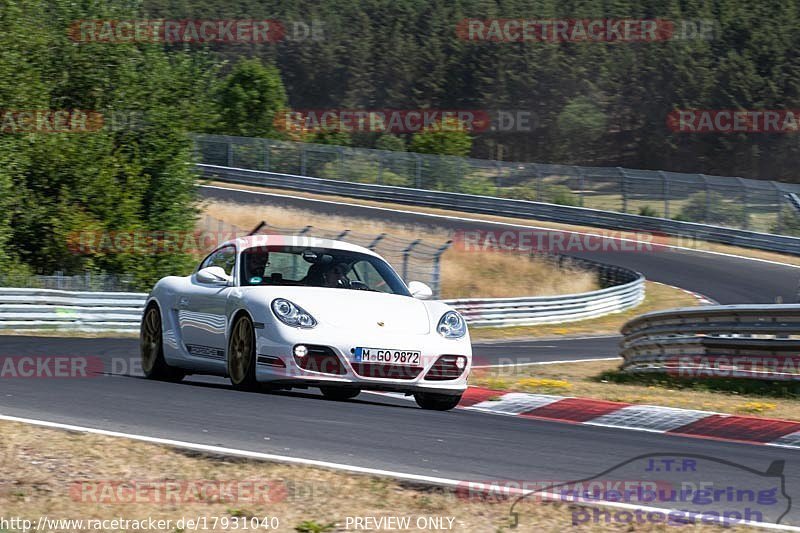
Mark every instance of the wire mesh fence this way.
pixel 414 260
pixel 765 206
pixel 87 281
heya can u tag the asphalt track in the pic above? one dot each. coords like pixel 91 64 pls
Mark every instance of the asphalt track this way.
pixel 371 431
pixel 393 434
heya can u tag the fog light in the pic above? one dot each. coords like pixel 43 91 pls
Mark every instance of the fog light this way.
pixel 461 362
pixel 300 350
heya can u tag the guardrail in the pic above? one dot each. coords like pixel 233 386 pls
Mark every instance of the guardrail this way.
pixel 46 309
pixel 507 207
pixel 732 202
pixel 40 309
pixel 736 341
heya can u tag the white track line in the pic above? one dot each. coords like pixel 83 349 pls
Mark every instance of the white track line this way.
pixel 428 480
pixel 494 222
pixel 534 340
pixel 550 362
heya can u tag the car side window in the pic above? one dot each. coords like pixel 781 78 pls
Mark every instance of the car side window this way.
pixel 224 258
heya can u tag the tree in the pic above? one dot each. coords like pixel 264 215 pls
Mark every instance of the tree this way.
pixel 249 100
pixel 446 137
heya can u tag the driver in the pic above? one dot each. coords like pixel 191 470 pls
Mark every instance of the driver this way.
pixel 336 276
pixel 255 263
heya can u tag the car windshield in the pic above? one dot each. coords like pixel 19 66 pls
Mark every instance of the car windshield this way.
pixel 318 267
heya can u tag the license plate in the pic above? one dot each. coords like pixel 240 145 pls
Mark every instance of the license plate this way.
pixel 392 357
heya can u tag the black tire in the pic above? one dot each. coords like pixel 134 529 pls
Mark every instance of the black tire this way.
pixel 151 349
pixel 242 355
pixel 339 393
pixel 436 402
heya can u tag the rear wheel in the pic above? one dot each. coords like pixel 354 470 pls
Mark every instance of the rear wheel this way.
pixel 339 393
pixel 241 355
pixel 436 402
pixel 151 349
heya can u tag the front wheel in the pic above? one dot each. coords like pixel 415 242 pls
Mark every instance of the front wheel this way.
pixel 339 393
pixel 151 349
pixel 241 355
pixel 436 402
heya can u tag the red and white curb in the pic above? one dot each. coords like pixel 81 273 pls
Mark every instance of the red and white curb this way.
pixel 626 416
pixel 702 299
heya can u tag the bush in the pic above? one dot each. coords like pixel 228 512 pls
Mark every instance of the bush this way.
pixel 387 141
pixel 714 209
pixel 550 193
pixel 789 223
pixel 559 194
pixel 478 186
pixel 647 211
pixel 361 169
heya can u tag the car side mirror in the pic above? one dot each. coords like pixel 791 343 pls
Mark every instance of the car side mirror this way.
pixel 213 276
pixel 420 291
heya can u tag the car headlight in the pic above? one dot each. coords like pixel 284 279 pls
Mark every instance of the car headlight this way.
pixel 452 326
pixel 292 314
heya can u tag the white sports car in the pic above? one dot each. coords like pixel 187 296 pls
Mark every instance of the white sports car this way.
pixel 294 312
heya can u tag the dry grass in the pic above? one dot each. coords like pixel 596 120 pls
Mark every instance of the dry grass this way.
pixel 500 275
pixel 657 297
pixel 40 467
pixel 581 379
pixel 496 275
pixel 676 241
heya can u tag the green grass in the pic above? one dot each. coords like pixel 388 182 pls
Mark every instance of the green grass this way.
pixel 749 387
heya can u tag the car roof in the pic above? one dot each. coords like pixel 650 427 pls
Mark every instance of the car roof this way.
pixel 254 241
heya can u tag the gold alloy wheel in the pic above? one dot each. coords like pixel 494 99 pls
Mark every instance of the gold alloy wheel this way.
pixel 241 351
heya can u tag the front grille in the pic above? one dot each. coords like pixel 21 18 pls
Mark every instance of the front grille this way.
pixel 321 359
pixel 445 369
pixel 379 370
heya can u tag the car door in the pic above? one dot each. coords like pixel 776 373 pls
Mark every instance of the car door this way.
pixel 202 311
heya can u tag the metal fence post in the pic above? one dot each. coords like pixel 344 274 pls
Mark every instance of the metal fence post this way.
pixel 406 254
pixel 341 163
pixel 418 170
pixel 707 187
pixel 779 207
pixel 744 198
pixel 266 156
pixel 581 182
pixel 375 241
pixel 436 279
pixel 623 189
pixel 379 177
pixel 230 152
pixel 665 192
pixel 539 183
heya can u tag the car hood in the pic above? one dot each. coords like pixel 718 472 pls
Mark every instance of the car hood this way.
pixel 359 310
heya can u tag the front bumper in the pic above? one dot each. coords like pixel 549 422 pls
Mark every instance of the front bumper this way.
pixel 275 348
